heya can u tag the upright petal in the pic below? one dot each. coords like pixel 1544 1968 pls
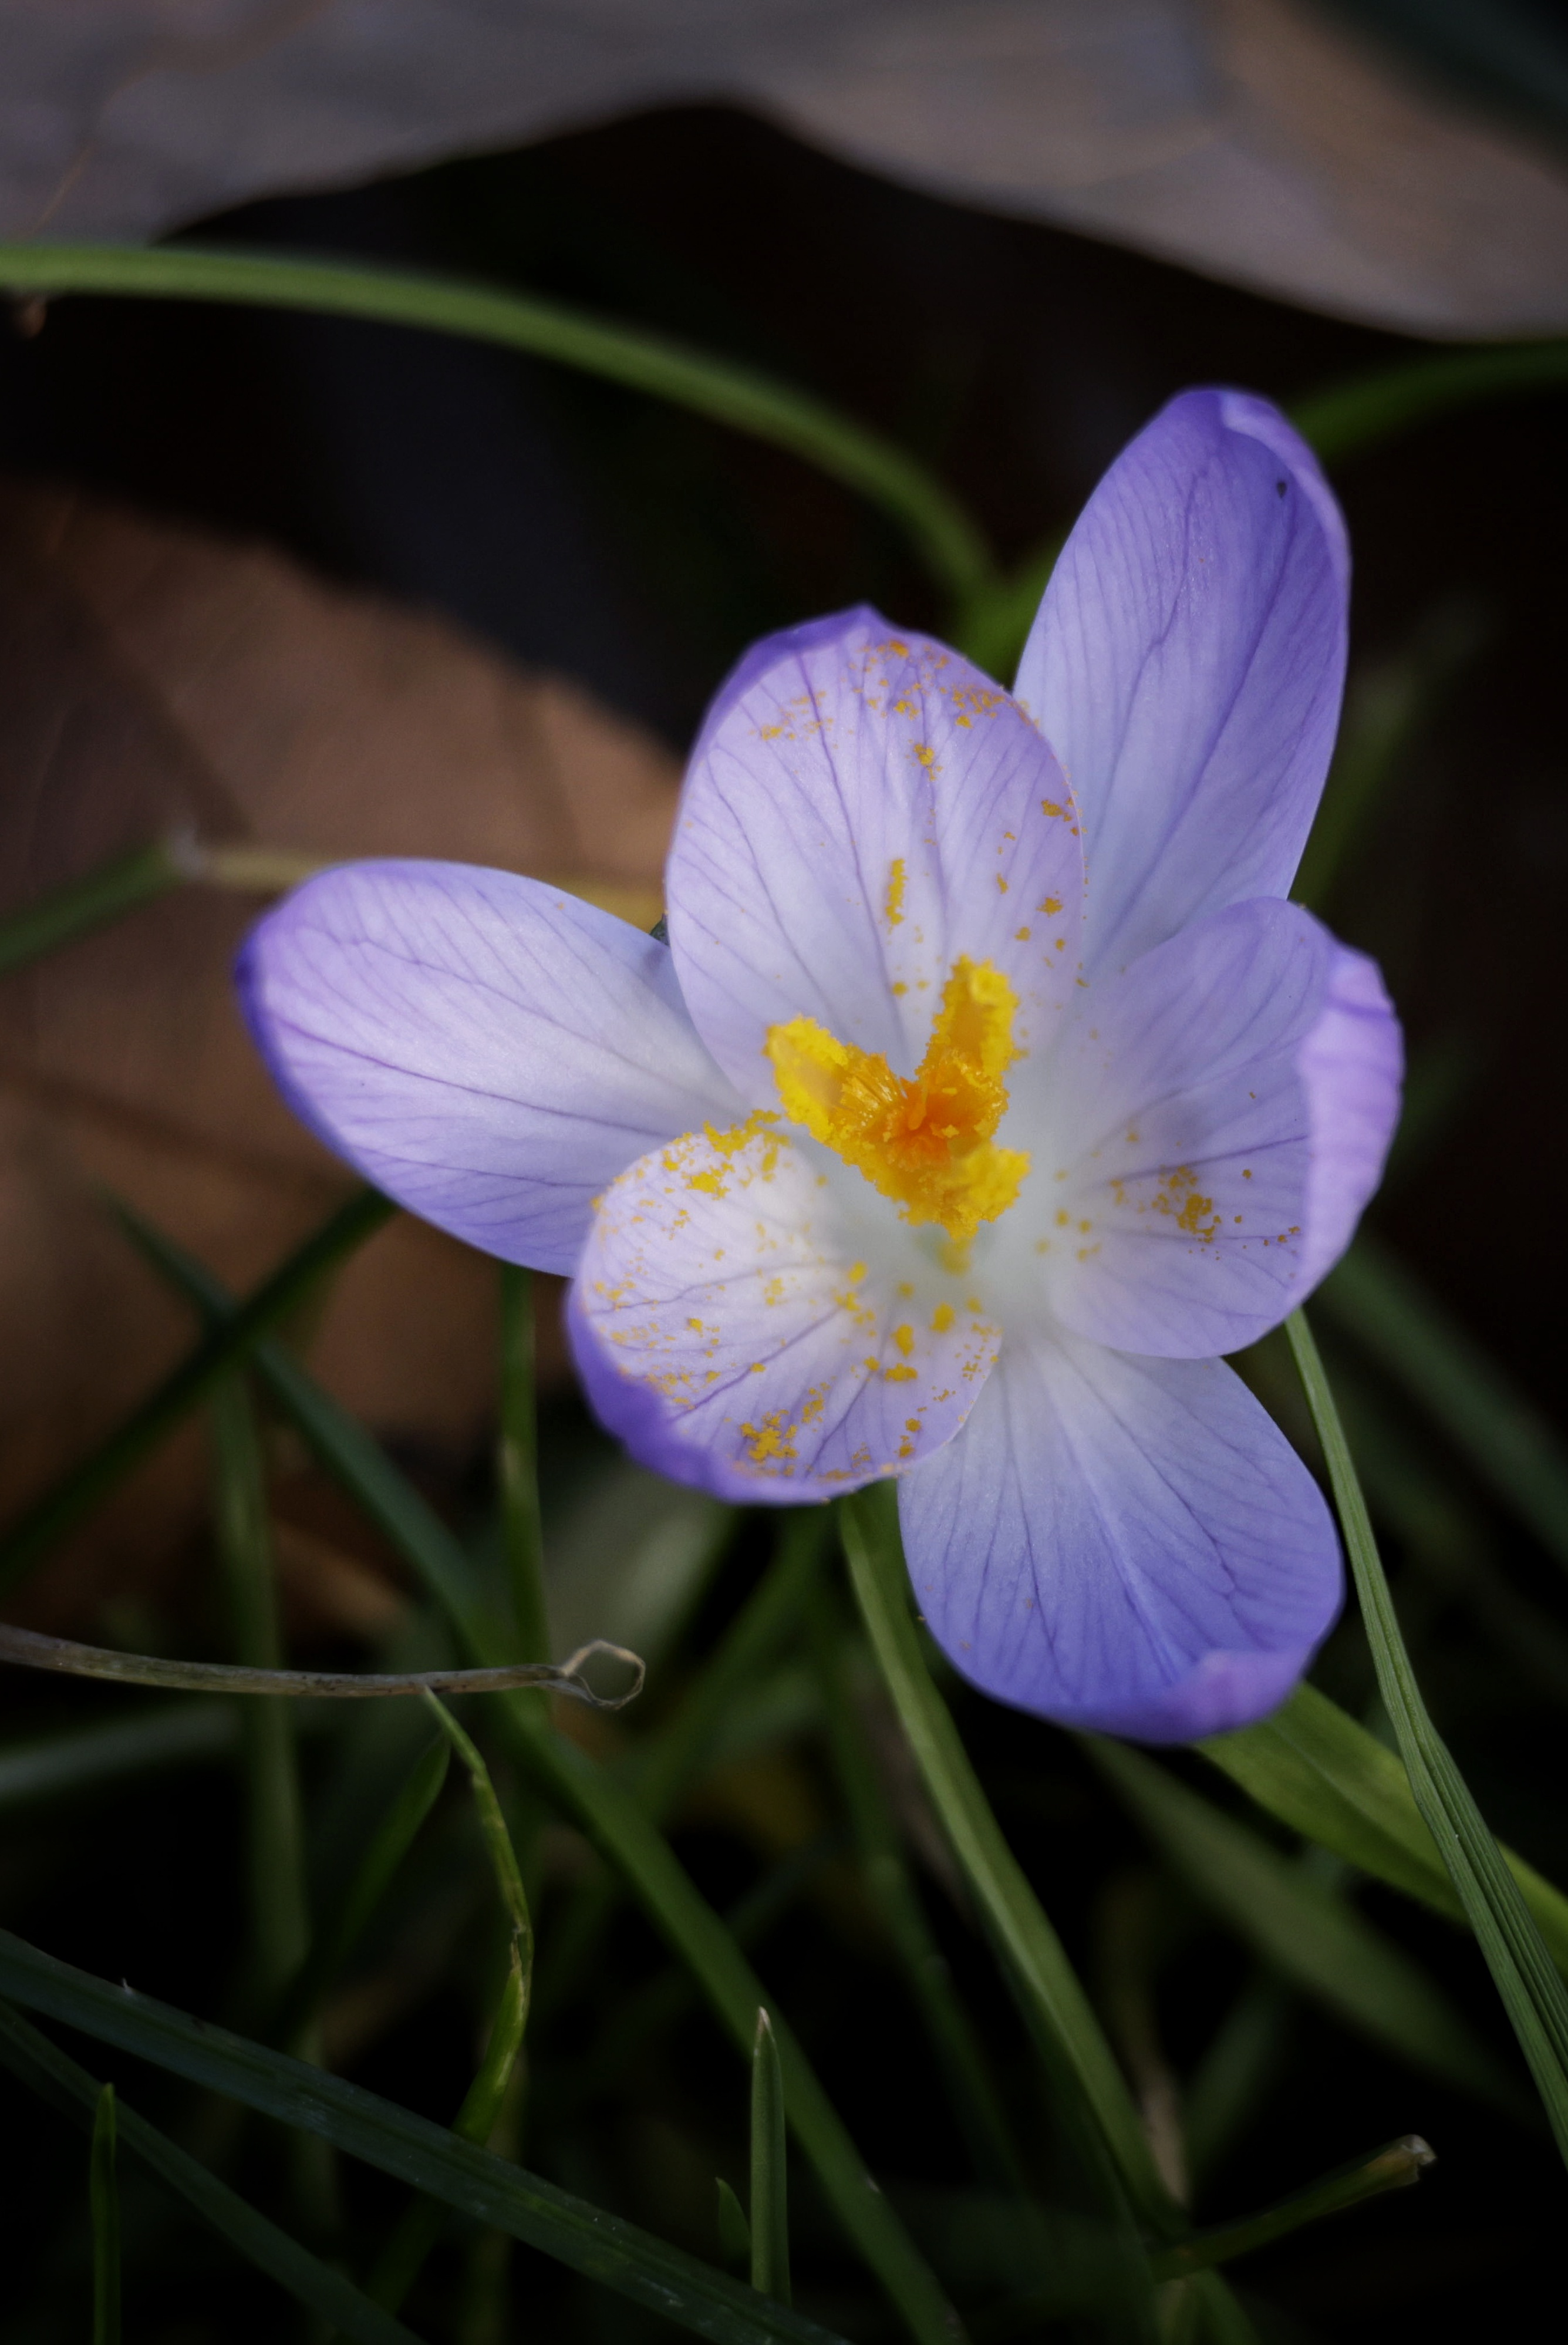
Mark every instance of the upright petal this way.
pixel 745 1320
pixel 1187 666
pixel 1217 1122
pixel 1122 1544
pixel 489 1052
pixel 863 809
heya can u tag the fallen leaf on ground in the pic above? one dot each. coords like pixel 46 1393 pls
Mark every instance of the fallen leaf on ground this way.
pixel 154 677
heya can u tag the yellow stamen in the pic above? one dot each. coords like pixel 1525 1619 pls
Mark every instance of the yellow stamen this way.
pixel 926 1143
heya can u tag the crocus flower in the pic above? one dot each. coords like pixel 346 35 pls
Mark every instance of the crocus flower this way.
pixel 987 1089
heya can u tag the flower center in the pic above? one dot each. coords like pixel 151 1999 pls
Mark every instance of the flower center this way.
pixel 926 1143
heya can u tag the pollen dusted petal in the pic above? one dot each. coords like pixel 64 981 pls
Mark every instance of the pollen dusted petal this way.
pixel 865 808
pixel 1220 1123
pixel 728 1330
pixel 926 1143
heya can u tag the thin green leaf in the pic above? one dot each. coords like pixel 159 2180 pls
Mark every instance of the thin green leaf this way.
pixel 608 1814
pixel 939 530
pixel 1387 706
pixel 39 2064
pixel 104 2198
pixel 734 2231
pixel 1352 417
pixel 497 1839
pixel 1231 2084
pixel 1503 1438
pixel 62 1508
pixel 770 2188
pixel 349 1454
pixel 475 2121
pixel 955 2046
pixel 992 623
pixel 522 1537
pixel 106 894
pixel 1396 2166
pixel 280 1922
pixel 1310 1934
pixel 671 1757
pixel 101 1757
pixel 1319 1772
pixel 751 1641
pixel 389 1843
pixel 485 2188
pixel 1032 1950
pixel 1532 1991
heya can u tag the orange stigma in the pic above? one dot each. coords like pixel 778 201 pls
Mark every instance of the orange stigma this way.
pixel 926 1143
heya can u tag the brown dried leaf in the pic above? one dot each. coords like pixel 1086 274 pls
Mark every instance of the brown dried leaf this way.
pixel 152 676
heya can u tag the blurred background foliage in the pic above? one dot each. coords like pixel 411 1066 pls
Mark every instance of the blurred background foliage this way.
pixel 541 576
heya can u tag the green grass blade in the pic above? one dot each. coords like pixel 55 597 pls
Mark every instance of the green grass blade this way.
pixel 612 1819
pixel 1352 417
pixel 497 1841
pixel 44 2069
pixel 734 2231
pixel 356 1461
pixel 487 2189
pixel 104 2203
pixel 1307 1931
pixel 770 2188
pixel 1231 2084
pixel 608 1814
pixel 754 1637
pixel 279 1922
pixel 1319 1772
pixel 1016 1920
pixel 476 2121
pixel 522 1535
pixel 389 1843
pixel 62 1508
pixel 92 1758
pixel 938 528
pixel 1396 2166
pixel 1502 1436
pixel 106 894
pixel 890 1882
pixel 1532 1991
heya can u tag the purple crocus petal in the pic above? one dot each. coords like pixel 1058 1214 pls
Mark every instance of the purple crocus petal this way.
pixel 1187 666
pixel 1351 1066
pixel 489 1052
pixel 1123 1544
pixel 727 1328
pixel 863 809
pixel 1228 1103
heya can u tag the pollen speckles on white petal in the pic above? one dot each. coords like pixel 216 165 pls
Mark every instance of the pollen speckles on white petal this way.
pixel 722 1278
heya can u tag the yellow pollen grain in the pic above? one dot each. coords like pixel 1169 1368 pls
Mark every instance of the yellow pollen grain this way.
pixel 925 1142
pixel 941 1319
pixel 1047 807
pixel 900 1375
pixel 1051 907
pixel 1001 884
pixel 893 903
pixel 904 1339
pixel 1021 935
